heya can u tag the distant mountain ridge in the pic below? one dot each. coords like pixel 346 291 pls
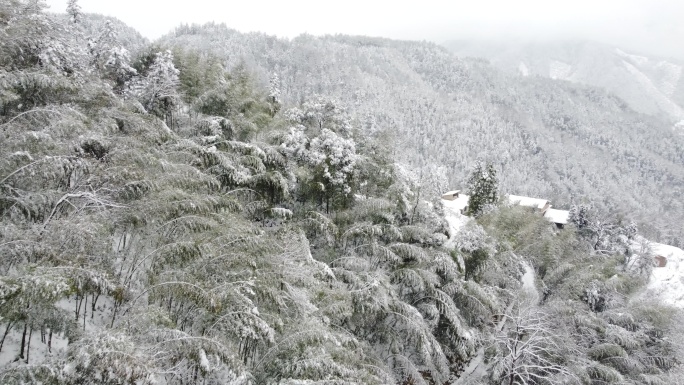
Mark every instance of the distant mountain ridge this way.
pixel 650 85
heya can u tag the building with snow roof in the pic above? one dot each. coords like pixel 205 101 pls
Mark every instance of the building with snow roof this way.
pixel 539 204
pixel 559 217
pixel 451 195
pixel 455 200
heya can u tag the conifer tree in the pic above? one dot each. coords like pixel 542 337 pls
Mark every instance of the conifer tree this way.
pixel 74 10
pixel 274 94
pixel 483 188
pixel 158 90
pixel 110 58
pixel 580 216
pixel 100 46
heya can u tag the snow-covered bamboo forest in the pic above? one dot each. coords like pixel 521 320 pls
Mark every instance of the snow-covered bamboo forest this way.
pixel 216 207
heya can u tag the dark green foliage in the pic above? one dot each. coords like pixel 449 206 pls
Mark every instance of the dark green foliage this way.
pixel 233 96
pixel 94 148
pixel 199 73
pixel 473 262
pixel 483 188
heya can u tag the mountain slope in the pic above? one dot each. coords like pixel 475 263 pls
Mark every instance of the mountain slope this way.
pixel 565 142
pixel 649 85
pixel 221 237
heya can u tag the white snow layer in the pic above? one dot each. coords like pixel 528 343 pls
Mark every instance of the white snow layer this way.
pixel 527 201
pixel 670 75
pixel 652 91
pixel 559 70
pixel 528 285
pixel 557 216
pixel 453 216
pixel 667 283
pixel 524 71
pixel 679 126
pixel 636 59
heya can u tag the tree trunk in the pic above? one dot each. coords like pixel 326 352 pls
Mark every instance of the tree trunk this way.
pixel 28 346
pixel 77 310
pixel 9 327
pixel 85 310
pixel 23 342
pixel 415 207
pixel 117 304
pixel 92 305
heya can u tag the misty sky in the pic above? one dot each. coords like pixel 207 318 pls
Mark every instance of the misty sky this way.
pixel 649 26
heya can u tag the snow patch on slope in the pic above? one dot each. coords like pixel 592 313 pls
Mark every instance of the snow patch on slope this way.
pixel 679 127
pixel 524 71
pixel 670 74
pixel 636 59
pixel 652 91
pixel 559 70
pixel 667 283
pixel 528 285
pixel 453 216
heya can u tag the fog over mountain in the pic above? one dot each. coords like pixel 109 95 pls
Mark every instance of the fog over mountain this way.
pixel 649 84
pixel 650 26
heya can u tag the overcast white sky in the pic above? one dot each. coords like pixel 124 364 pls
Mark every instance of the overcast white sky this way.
pixel 650 26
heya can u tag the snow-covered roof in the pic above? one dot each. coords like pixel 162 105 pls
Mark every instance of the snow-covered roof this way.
pixel 458 204
pixel 557 216
pixel 452 192
pixel 527 201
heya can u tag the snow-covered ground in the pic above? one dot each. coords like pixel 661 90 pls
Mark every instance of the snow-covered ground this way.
pixel 670 76
pixel 652 92
pixel 636 59
pixel 679 127
pixel 667 283
pixel 528 285
pixel 559 70
pixel 39 352
pixel 452 213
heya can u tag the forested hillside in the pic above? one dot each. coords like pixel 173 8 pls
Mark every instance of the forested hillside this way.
pixel 569 143
pixel 184 216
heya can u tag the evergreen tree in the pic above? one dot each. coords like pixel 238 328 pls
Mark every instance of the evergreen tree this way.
pixel 274 89
pixel 74 10
pixel 110 58
pixel 483 188
pixel 274 94
pixel 580 216
pixel 158 89
pixel 102 44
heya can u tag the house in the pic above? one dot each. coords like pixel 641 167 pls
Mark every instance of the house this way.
pixel 559 217
pixel 459 202
pixel 538 204
pixel 659 261
pixel 455 200
pixel 451 195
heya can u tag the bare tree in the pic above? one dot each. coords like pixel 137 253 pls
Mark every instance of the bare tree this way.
pixel 531 351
